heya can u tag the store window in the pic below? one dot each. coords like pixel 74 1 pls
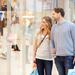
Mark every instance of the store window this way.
pixel 3 35
pixel 27 14
pixel 72 9
pixel 33 11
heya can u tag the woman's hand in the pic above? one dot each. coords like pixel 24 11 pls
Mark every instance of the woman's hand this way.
pixel 34 59
pixel 33 65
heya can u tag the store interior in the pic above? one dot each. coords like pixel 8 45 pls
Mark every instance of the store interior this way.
pixel 27 14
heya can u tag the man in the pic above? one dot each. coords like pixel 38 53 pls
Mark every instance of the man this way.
pixel 63 41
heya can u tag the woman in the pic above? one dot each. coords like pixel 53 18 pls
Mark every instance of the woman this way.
pixel 41 48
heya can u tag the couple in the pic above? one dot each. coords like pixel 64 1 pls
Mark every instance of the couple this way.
pixel 59 37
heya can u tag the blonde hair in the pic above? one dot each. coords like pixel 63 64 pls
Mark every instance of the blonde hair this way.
pixel 49 21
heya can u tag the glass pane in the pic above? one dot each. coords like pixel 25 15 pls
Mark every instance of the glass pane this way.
pixel 14 38
pixel 33 11
pixel 72 9
pixel 22 18
pixel 3 40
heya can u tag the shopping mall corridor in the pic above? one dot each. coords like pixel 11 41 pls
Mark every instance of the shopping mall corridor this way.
pixel 3 67
pixel 16 67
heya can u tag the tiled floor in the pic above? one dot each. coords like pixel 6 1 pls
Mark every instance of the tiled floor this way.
pixel 29 70
pixel 3 67
pixel 16 65
pixel 12 67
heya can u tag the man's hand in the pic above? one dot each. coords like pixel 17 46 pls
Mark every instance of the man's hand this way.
pixel 74 60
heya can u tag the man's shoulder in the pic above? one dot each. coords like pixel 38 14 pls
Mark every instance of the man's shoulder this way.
pixel 69 23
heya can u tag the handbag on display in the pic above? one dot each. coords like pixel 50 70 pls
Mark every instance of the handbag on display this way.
pixel 15 47
pixel 10 37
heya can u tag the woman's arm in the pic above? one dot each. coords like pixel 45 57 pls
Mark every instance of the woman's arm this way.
pixel 34 49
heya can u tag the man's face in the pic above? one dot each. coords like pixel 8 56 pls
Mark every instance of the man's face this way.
pixel 55 16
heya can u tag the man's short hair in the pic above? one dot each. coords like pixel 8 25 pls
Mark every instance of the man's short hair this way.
pixel 59 10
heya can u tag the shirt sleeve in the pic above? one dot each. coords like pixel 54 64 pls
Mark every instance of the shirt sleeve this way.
pixel 73 35
pixel 52 45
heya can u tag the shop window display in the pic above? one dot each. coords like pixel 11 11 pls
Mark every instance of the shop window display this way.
pixel 38 9
pixel 3 5
pixel 3 21
pixel 3 35
pixel 30 12
pixel 72 8
pixel 3 15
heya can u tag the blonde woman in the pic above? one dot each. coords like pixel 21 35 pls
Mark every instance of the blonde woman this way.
pixel 41 48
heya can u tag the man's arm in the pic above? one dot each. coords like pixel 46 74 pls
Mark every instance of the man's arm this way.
pixel 52 44
pixel 73 36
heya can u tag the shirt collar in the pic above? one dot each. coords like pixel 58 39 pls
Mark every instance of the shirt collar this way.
pixel 61 22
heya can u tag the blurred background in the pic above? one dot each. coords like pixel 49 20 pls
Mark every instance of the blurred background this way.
pixel 19 22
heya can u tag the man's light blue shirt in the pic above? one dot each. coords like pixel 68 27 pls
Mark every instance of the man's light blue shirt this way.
pixel 63 38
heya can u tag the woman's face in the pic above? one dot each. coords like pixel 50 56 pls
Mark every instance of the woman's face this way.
pixel 44 24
